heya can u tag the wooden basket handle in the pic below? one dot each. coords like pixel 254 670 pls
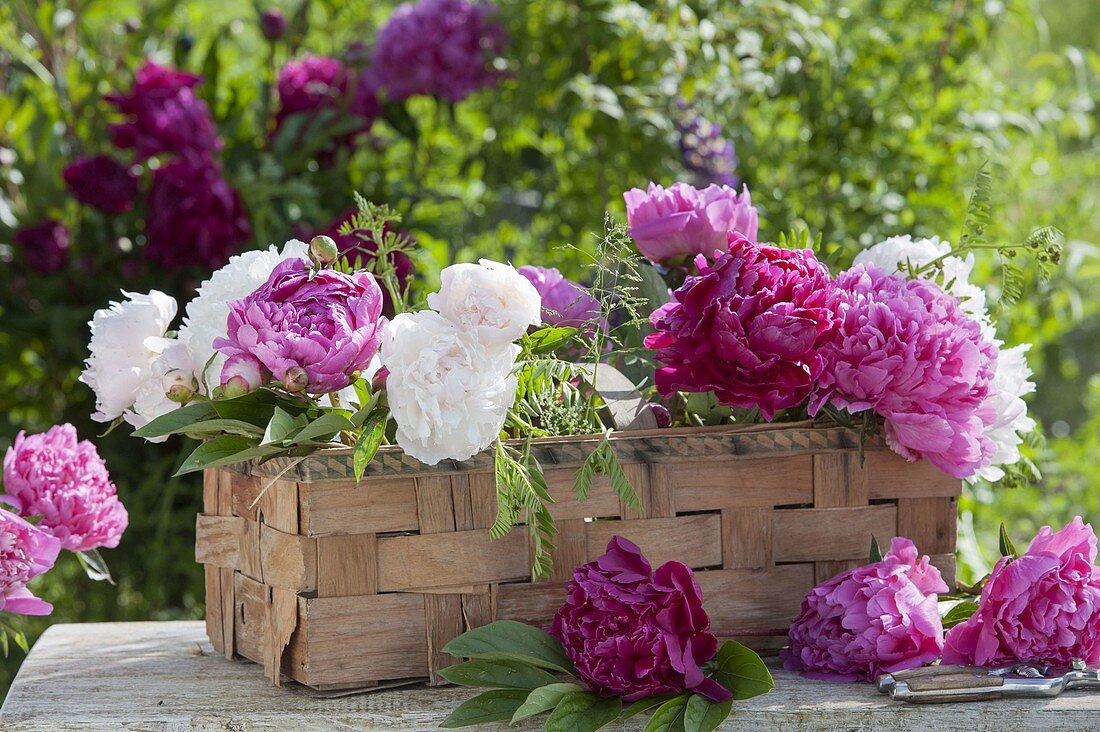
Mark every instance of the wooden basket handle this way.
pixel 629 409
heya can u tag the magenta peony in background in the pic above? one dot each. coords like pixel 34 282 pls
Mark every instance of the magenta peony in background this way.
pixel 564 302
pixel 361 253
pixel 195 217
pixel 907 350
pixel 101 182
pixel 327 323
pixel 670 225
pixel 635 633
pixel 439 48
pixel 1042 607
pixel 273 24
pixel 164 115
pixel 749 327
pixel 45 246
pixel 25 552
pixel 875 619
pixel 63 480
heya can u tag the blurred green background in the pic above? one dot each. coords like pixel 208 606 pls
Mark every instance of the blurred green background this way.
pixel 857 119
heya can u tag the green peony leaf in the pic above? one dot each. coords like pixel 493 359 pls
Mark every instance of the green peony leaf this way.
pixel 644 705
pixel 511 641
pixel 704 715
pixel 499 674
pixel 497 705
pixel 177 420
pixel 669 717
pixel 370 439
pixel 1008 549
pixel 548 339
pixel 959 613
pixel 583 711
pixel 543 699
pixel 741 671
pixel 279 428
pixel 875 554
pixel 225 450
pixel 324 427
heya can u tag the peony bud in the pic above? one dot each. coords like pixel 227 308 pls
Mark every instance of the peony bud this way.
pixel 245 372
pixel 378 383
pixel 323 250
pixel 273 24
pixel 180 393
pixel 236 386
pixel 295 379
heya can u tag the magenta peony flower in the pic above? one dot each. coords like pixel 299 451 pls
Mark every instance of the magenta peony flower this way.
pixel 361 252
pixel 564 302
pixel 1042 607
pixel 164 115
pixel 311 84
pixel 437 48
pixel 195 216
pixel 64 481
pixel 871 620
pixel 749 328
pixel 635 633
pixel 669 225
pixel 326 324
pixel 102 182
pixel 906 350
pixel 273 24
pixel 45 245
pixel 25 552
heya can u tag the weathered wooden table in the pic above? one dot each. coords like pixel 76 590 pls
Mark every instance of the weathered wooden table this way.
pixel 164 676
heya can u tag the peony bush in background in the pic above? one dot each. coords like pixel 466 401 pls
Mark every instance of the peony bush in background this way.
pixel 121 168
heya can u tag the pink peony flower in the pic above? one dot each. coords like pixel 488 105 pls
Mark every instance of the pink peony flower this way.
pixel 669 225
pixel 164 115
pixel 635 633
pixel 195 216
pixel 1042 607
pixel 564 302
pixel 438 48
pixel 749 328
pixel 871 620
pixel 313 84
pixel 45 245
pixel 102 182
pixel 326 324
pixel 25 552
pixel 907 350
pixel 64 481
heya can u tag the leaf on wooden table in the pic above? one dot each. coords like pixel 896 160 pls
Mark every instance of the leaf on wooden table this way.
pixel 741 670
pixel 583 711
pixel 499 674
pixel 497 705
pixel 514 641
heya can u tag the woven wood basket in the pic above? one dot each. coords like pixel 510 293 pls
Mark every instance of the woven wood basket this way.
pixel 339 586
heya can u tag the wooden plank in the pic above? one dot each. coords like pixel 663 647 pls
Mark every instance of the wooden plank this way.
pixel 227 580
pixel 250 618
pixel 244 489
pixel 251 564
pixel 435 504
pixel 694 540
pixel 218 540
pixel 946 564
pixel 357 640
pixel 653 484
pixel 532 604
pixel 892 476
pixel 931 523
pixel 278 505
pixel 755 599
pixel 288 560
pixel 455 559
pixel 282 619
pixel 706 485
pixel 373 506
pixel 483 499
pixel 825 571
pixel 443 623
pixel 830 534
pixel 839 480
pixel 571 548
pixel 477 608
pixel 214 620
pixel 747 538
pixel 347 565
pixel 211 483
pixel 601 503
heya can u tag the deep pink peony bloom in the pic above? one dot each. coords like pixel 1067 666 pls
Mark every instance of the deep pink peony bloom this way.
pixel 327 323
pixel 564 302
pixel 63 480
pixel 164 115
pixel 102 182
pixel 635 633
pixel 437 48
pixel 1042 607
pixel 907 350
pixel 670 225
pixel 25 552
pixel 749 328
pixel 45 245
pixel 311 84
pixel 362 252
pixel 195 217
pixel 876 619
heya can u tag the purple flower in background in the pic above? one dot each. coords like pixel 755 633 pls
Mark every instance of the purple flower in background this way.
pixel 45 245
pixel 102 182
pixel 273 24
pixel 875 619
pixel 25 552
pixel 708 155
pixel 437 48
pixel 65 481
pixel 311 329
pixel 635 633
pixel 361 252
pixel 195 217
pixel 564 302
pixel 311 84
pixel 164 115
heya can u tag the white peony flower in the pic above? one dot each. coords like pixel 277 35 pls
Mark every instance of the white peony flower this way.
pixel 205 316
pixel 489 299
pixel 120 361
pixel 1011 382
pixel 448 393
pixel 171 366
